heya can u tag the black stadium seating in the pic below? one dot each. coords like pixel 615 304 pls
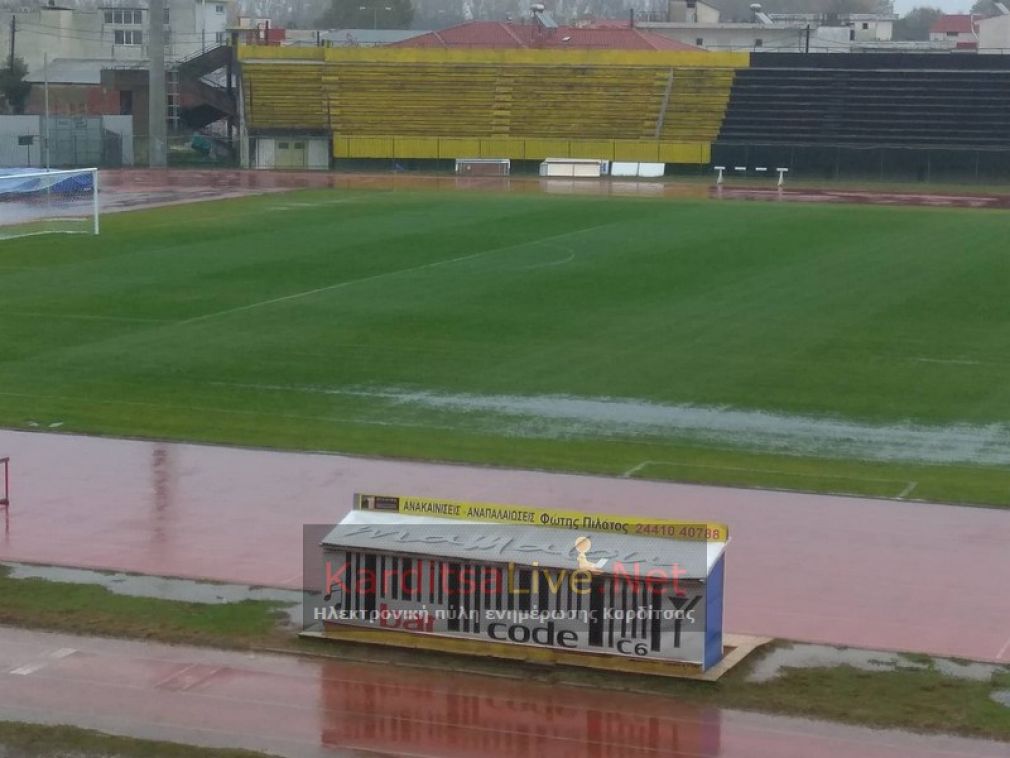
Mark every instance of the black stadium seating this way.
pixel 842 100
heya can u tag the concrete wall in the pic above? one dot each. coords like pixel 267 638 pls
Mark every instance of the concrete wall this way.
pixel 87 132
pixel 74 100
pixel 268 155
pixel 994 35
pixel 13 155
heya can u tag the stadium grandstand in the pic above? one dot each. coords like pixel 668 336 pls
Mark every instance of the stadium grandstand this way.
pixel 435 103
pixel 916 112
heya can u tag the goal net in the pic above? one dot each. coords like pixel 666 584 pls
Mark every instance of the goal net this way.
pixel 34 201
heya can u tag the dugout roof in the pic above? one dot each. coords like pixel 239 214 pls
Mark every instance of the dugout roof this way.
pixel 610 553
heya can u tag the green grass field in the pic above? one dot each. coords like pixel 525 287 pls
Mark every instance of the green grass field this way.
pixel 830 348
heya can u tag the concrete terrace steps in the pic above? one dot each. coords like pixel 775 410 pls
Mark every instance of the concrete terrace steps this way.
pixel 495 100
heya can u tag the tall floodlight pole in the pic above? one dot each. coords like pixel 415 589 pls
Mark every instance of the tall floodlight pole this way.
pixel 157 117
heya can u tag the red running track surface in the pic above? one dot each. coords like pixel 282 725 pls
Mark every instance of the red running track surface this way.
pixel 307 707
pixel 123 189
pixel 867 573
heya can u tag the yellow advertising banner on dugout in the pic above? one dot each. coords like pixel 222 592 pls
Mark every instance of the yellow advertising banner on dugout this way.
pixel 524 515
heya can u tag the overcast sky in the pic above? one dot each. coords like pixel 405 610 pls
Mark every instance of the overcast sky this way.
pixel 901 7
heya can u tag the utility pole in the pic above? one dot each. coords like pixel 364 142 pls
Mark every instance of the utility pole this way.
pixel 14 31
pixel 807 45
pixel 157 94
pixel 45 136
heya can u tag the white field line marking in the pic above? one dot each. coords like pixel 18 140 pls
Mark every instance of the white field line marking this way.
pixel 954 361
pixel 1002 650
pixel 55 655
pixel 239 412
pixel 564 248
pixel 908 490
pixel 374 277
pixel 162 682
pixel 31 668
pixel 563 261
pixel 293 205
pixel 638 467
pixel 88 317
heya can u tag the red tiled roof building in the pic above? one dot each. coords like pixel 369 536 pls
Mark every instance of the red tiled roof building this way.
pixel 498 34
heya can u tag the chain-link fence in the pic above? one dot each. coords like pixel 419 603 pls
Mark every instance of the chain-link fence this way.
pixel 96 141
pixel 193 150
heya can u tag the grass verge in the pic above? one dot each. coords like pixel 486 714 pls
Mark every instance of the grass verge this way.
pixel 46 741
pixel 93 610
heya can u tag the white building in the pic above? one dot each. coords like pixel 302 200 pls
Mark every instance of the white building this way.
pixel 959 30
pixel 116 30
pixel 692 11
pixel 794 32
pixel 994 33
pixel 858 27
pixel 755 37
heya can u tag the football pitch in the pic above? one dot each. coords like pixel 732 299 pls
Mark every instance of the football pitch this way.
pixel 845 349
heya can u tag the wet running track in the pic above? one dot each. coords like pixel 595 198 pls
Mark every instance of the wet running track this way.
pixel 125 189
pixel 303 708
pixel 878 574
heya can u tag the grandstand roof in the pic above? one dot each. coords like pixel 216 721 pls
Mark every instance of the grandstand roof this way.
pixel 961 23
pixel 505 35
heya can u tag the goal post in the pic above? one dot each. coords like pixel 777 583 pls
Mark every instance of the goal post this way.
pixel 483 166
pixel 34 201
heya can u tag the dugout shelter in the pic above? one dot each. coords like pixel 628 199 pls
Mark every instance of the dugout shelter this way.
pixel 519 582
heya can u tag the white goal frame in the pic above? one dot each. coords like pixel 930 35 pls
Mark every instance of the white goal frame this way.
pixel 55 174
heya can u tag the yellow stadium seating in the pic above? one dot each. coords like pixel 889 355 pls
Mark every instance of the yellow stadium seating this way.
pixel 435 103
pixel 284 96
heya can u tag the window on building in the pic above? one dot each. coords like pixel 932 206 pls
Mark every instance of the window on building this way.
pixel 951 34
pixel 128 37
pixel 166 16
pixel 852 35
pixel 759 42
pixel 699 41
pixel 866 25
pixel 219 7
pixel 219 38
pixel 125 17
